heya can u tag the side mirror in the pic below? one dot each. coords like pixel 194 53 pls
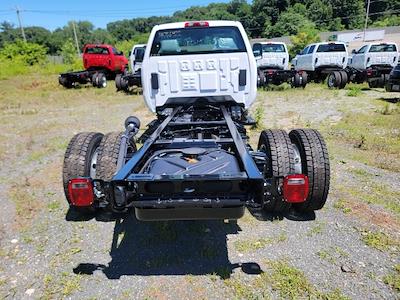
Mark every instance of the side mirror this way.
pixel 121 53
pixel 354 51
pixel 256 53
pixel 130 52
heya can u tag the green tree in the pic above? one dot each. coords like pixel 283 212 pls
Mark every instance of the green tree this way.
pixel 289 23
pixel 306 35
pixel 26 53
pixel 68 52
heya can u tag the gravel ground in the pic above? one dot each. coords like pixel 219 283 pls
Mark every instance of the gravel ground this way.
pixel 324 255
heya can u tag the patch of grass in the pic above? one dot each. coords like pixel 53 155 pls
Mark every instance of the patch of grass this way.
pixel 353 91
pixel 259 116
pixel 251 245
pixel 332 254
pixel 388 109
pixel 393 279
pixel 26 205
pixel 375 192
pixel 242 290
pixel 291 283
pixel 341 205
pixel 326 255
pixel 379 240
pixel 70 283
pixel 316 229
pixel 378 146
pixel 53 206
pixel 63 286
pixel 255 244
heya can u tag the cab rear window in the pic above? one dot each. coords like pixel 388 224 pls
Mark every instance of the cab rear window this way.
pixel 273 48
pixel 331 48
pixel 197 40
pixel 383 48
pixel 96 50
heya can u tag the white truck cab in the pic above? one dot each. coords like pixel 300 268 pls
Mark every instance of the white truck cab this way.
pixel 375 54
pixel 272 55
pixel 136 57
pixel 208 60
pixel 322 55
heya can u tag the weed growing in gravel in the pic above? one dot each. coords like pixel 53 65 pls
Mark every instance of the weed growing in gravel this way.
pixel 378 146
pixel 259 116
pixel 255 244
pixel 291 283
pixel 353 91
pixel 341 205
pixel 379 240
pixel 316 229
pixel 393 279
pixel 388 109
pixel 25 202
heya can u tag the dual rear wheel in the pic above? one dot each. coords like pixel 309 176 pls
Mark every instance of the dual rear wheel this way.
pixel 337 79
pixel 99 80
pixel 302 151
pixel 91 154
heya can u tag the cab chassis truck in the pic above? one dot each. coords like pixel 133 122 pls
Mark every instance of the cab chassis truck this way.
pixel 195 161
pixel 125 81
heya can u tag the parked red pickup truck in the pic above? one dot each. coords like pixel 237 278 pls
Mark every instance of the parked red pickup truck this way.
pixel 101 62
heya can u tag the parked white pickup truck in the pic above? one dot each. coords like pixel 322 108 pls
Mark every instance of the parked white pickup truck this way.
pixel 195 161
pixel 125 81
pixel 375 54
pixel 273 65
pixel 321 56
pixel 136 57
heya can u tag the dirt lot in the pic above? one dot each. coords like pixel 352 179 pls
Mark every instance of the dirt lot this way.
pixel 349 249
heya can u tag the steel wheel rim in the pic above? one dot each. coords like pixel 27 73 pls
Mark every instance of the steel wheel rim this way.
pixel 93 163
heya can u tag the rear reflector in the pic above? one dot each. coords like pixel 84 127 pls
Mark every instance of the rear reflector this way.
pixel 197 24
pixel 80 192
pixel 295 188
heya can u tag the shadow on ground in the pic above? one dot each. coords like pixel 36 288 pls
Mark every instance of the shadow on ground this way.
pixel 169 248
pixel 391 99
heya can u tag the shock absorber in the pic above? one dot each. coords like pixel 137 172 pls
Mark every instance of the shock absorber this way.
pixel 132 125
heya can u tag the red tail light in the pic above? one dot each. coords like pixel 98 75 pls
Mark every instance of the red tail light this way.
pixel 295 188
pixel 80 192
pixel 197 24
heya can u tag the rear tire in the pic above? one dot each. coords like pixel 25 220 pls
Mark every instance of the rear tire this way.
pixel 278 147
pixel 65 82
pixel 343 79
pixel 101 80
pixel 334 79
pixel 79 157
pixel 108 155
pixel 94 79
pixel 118 78
pixel 304 80
pixel 296 80
pixel 261 79
pixel 388 87
pixel 124 85
pixel 314 164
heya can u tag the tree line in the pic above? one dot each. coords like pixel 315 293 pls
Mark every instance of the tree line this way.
pixel 261 18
